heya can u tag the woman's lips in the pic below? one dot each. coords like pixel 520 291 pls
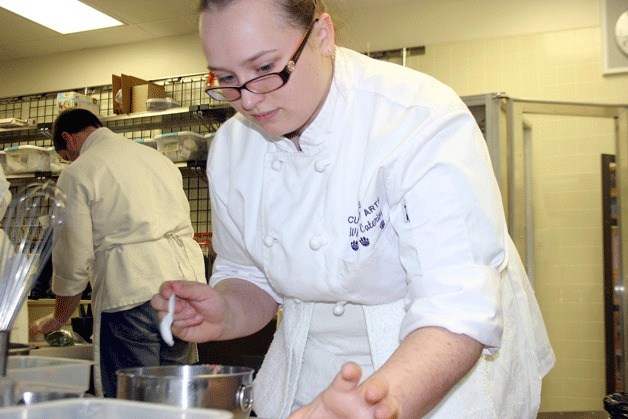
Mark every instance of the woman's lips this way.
pixel 264 116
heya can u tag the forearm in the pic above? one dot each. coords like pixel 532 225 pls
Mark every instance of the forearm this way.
pixel 65 307
pixel 247 308
pixel 428 363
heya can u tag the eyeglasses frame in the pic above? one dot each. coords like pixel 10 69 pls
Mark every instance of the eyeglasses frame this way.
pixel 284 74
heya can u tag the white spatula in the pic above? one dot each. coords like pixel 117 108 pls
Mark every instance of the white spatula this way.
pixel 166 322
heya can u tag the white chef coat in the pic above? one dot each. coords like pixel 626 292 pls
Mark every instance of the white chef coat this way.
pixel 392 204
pixel 127 226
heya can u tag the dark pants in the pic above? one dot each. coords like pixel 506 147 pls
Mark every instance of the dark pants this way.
pixel 130 339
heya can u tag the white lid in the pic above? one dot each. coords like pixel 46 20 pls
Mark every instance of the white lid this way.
pixel 25 147
pixel 160 100
pixel 179 134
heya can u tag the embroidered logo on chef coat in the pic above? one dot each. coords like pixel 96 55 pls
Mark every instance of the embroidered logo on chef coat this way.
pixel 363 226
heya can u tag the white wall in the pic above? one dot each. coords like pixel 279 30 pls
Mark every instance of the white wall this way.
pixel 158 59
pixel 401 24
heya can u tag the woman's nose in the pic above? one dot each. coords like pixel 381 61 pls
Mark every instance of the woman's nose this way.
pixel 249 100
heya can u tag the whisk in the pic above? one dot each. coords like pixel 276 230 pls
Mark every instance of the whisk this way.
pixel 35 212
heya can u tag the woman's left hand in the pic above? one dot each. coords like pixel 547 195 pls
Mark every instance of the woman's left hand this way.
pixel 346 398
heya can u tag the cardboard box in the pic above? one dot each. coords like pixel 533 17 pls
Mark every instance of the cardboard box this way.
pixel 125 84
pixel 116 87
pixel 69 100
pixel 140 94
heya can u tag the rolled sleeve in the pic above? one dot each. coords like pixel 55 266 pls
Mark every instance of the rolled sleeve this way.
pixel 225 269
pixel 463 300
pixel 452 233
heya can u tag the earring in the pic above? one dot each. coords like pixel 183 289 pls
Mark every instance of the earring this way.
pixel 331 49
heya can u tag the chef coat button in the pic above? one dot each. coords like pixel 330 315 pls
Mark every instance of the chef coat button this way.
pixel 276 165
pixel 339 308
pixel 317 242
pixel 269 241
pixel 321 165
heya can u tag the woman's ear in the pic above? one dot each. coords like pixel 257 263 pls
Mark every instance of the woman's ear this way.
pixel 326 34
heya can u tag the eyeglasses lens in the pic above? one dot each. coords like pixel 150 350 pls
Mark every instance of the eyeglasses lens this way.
pixel 264 84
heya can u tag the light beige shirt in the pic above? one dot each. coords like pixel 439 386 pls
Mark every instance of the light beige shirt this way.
pixel 127 227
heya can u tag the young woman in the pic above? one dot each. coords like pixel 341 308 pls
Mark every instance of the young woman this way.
pixel 358 195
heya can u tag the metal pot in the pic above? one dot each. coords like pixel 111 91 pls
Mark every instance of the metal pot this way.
pixel 209 386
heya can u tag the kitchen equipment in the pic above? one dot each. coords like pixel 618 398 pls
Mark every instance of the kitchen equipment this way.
pixel 8 392
pixel 616 405
pixel 96 407
pixel 55 374
pixel 19 348
pixel 25 243
pixel 60 337
pixel 166 322
pixel 211 386
pixel 31 397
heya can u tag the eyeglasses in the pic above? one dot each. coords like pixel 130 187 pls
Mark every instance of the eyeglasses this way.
pixel 262 84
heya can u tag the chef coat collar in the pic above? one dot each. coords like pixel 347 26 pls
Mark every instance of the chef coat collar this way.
pixel 96 136
pixel 323 126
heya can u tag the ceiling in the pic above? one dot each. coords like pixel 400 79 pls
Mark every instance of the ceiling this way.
pixel 144 20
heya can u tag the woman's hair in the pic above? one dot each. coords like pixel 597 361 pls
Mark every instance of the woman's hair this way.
pixel 72 121
pixel 298 13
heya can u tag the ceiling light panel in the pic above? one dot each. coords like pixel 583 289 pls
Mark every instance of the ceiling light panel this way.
pixel 63 16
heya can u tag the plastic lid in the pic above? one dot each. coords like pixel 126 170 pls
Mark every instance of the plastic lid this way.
pixel 179 134
pixel 25 147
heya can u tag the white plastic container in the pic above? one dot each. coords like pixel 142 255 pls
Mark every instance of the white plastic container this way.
pixel 61 374
pixel 182 146
pixel 69 100
pixel 12 122
pixel 3 162
pixel 56 162
pixel 160 104
pixel 27 159
pixel 82 408
pixel 147 141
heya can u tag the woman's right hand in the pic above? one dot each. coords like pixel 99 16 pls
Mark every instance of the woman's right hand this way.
pixel 199 313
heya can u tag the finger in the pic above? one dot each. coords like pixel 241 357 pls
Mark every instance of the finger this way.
pixel 179 325
pixel 348 377
pixel 387 409
pixel 376 390
pixel 187 290
pixel 351 371
pixel 165 289
pixel 159 303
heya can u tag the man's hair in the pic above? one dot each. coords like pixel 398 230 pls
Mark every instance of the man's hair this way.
pixel 72 121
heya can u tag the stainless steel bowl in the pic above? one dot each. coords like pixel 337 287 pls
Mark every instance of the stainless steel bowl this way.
pixel 209 386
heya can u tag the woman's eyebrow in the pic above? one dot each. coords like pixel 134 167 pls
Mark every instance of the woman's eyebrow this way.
pixel 246 61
